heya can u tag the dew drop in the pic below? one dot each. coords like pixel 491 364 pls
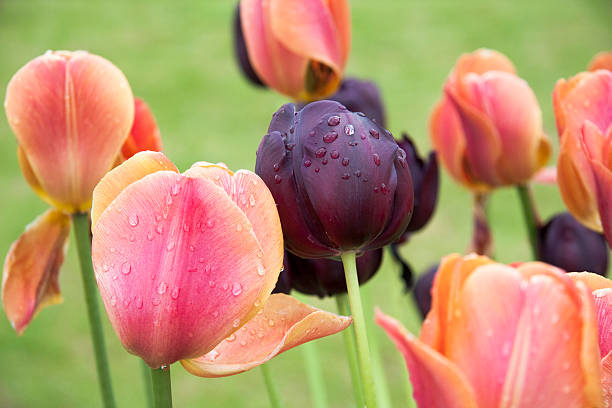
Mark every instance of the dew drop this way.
pixel 159 229
pixel 211 284
pixel 150 236
pixel 138 302
pixel 320 152
pixel 271 323
pixel 225 286
pixel 345 161
pixel 345 176
pixel 324 161
pixel 334 154
pixel 376 158
pixel 132 238
pixel 176 189
pixel 105 267
pixel 239 227
pixel 316 170
pixel 201 260
pixel 312 133
pixel 156 301
pixel 215 314
pixel 330 136
pixel 210 223
pixel 175 293
pixel 113 301
pixel 276 167
pixel 374 133
pixel 307 163
pixel 236 323
pixel 236 289
pixel 357 173
pixel 192 269
pixel 168 201
pixel 231 337
pixel 349 130
pixel 170 246
pixel 243 343
pixel 333 120
pixel 252 200
pixel 261 271
pixel 186 227
pixel 126 268
pixel 133 220
pixel 191 248
pixel 161 289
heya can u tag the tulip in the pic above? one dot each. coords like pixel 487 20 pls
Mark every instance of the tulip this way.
pixel 297 47
pixel 487 128
pixel 422 289
pixel 240 50
pixel 144 134
pixel 325 164
pixel 325 277
pixel 70 112
pixel 603 60
pixel 583 110
pixel 567 244
pixel 503 336
pixel 186 263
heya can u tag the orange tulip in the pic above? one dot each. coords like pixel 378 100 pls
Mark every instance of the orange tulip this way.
pixel 603 60
pixel 487 128
pixel 503 336
pixel 583 110
pixel 297 47
pixel 71 112
pixel 144 134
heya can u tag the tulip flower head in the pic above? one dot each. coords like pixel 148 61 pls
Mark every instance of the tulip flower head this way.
pixel 70 112
pixel 325 166
pixel 501 336
pixel 487 128
pixel 603 60
pixel 186 263
pixel 297 47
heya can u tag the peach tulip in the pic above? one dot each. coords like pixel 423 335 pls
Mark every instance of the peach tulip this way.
pixel 603 60
pixel 71 113
pixel 487 128
pixel 503 336
pixel 144 134
pixel 186 263
pixel 583 110
pixel 297 47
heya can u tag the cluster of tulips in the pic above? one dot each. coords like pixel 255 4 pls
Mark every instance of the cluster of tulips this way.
pixel 198 266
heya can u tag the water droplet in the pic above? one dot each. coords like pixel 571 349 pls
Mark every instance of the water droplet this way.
pixel 215 314
pixel 345 176
pixel 175 293
pixel 161 289
pixel 324 161
pixel 316 169
pixel 312 133
pixel 176 189
pixel 150 236
pixel 191 248
pixel 186 227
pixel 330 136
pixel 201 260
pixel 192 269
pixel 374 133
pixel 243 343
pixel 210 223
pixel 277 179
pixel 276 167
pixel 349 130
pixel 260 254
pixel 320 152
pixel 113 250
pixel 236 323
pixel 170 246
pixel 138 302
pixel 236 289
pixel 159 229
pixel 231 337
pixel 126 268
pixel 333 120
pixel 113 300
pixel 252 200
pixel 290 146
pixel 239 227
pixel 211 284
pixel 307 163
pixel 345 161
pixel 376 159
pixel 168 202
pixel 357 173
pixel 334 154
pixel 132 238
pixel 133 220
pixel 105 267
pixel 225 286
pixel 271 323
pixel 261 271
pixel 155 301
pixel 158 217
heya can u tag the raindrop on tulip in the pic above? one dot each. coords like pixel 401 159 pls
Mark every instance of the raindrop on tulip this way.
pixel 170 246
pixel 271 323
pixel 345 161
pixel 210 223
pixel 138 302
pixel 376 159
pixel 236 323
pixel 334 154
pixel 333 120
pixel 175 293
pixel 320 152
pixel 261 271
pixel 176 189
pixel 159 229
pixel 330 137
pixel 349 130
pixel 374 133
pixel 236 289
pixel 231 338
pixel 133 220
pixel 163 286
pixel 277 179
pixel 126 268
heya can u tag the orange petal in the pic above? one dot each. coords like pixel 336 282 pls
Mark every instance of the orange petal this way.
pixel 284 323
pixel 116 180
pixel 71 113
pixel 592 280
pixel 144 134
pixel 31 268
pixel 482 60
pixel 436 381
pixel 603 60
pixel 603 181
pixel 562 89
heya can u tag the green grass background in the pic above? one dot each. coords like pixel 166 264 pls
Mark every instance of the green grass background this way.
pixel 178 57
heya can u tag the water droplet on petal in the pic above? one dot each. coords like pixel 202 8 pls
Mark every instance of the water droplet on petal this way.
pixel 105 267
pixel 243 343
pixel 376 159
pixel 252 200
pixel 186 227
pixel 261 271
pixel 271 323
pixel 176 189
pixel 170 246
pixel 138 302
pixel 320 152
pixel 161 289
pixel 156 301
pixel 211 284
pixel 210 223
pixel 277 179
pixel 333 120
pixel 175 293
pixel 231 337
pixel 150 236
pixel 113 300
pixel 133 220
pixel 126 268
pixel 236 323
pixel 330 136
pixel 374 133
pixel 349 130
pixel 307 163
pixel 239 227
pixel 334 154
pixel 159 229
pixel 345 161
pixel 236 289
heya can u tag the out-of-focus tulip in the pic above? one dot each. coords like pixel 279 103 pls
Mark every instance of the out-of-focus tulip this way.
pixel 422 289
pixel 144 134
pixel 325 277
pixel 583 110
pixel 487 129
pixel 603 60
pixel 503 336
pixel 185 262
pixel 297 47
pixel 325 166
pixel 70 112
pixel 240 51
pixel 566 243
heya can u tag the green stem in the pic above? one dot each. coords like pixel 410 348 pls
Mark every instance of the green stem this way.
pixel 83 244
pixel 349 260
pixel 531 217
pixel 315 375
pixel 270 387
pixel 351 350
pixel 147 384
pixel 162 387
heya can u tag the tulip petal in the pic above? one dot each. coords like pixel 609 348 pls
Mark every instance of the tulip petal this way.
pixel 562 89
pixel 283 324
pixel 144 134
pixel 84 105
pixel 31 268
pixel 436 381
pixel 603 181
pixel 603 60
pixel 548 175
pixel 179 271
pixel 606 379
pixel 115 181
pixel 481 61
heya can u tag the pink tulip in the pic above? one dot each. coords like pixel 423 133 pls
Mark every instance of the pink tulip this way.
pixel 487 128
pixel 503 336
pixel 186 263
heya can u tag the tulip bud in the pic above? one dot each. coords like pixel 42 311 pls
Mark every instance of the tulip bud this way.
pixel 487 129
pixel 325 277
pixel 298 48
pixel 603 60
pixel 566 243
pixel 144 134
pixel 422 289
pixel 325 166
pixel 240 51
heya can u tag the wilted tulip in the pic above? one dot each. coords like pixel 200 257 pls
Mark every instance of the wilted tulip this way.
pixel 603 60
pixel 325 277
pixel 144 134
pixel 185 262
pixel 297 47
pixel 566 243
pixel 502 336
pixel 70 112
pixel 583 110
pixel 487 129
pixel 325 166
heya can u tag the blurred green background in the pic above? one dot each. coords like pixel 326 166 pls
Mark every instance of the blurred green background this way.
pixel 178 57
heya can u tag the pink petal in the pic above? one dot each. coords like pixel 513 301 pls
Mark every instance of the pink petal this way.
pixel 548 175
pixel 31 268
pixel 606 379
pixel 177 265
pixel 283 324
pixel 603 308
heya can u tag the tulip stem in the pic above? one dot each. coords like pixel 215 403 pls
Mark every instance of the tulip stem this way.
pixel 147 384
pixel 349 260
pixel 531 217
pixel 314 374
pixel 83 244
pixel 162 387
pixel 270 387
pixel 351 350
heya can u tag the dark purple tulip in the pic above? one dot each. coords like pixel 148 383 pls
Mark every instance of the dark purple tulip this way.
pixel 283 284
pixel 340 181
pixel 425 182
pixel 422 290
pixel 566 243
pixel 360 96
pixel 325 277
pixel 240 50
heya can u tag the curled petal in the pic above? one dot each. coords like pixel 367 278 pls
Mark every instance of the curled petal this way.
pixel 144 134
pixel 116 180
pixel 436 381
pixel 31 268
pixel 283 324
